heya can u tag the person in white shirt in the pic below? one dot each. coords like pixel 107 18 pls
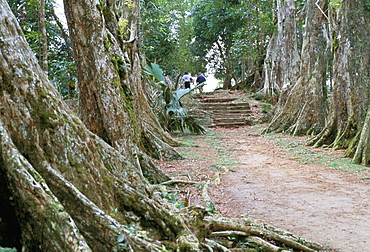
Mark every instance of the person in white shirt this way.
pixel 187 79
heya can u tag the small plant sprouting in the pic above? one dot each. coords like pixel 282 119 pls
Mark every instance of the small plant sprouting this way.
pixel 266 107
pixel 258 96
pixel 173 198
pixel 210 206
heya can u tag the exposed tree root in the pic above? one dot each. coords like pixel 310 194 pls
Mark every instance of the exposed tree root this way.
pixel 259 242
pixel 189 229
pixel 205 192
pixel 65 181
pixel 258 234
pixel 216 246
pixel 171 182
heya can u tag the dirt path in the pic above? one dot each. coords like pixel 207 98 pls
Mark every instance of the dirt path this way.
pixel 313 201
pixel 276 178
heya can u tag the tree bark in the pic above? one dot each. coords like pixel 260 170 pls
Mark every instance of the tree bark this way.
pixel 282 59
pixel 27 191
pixel 57 170
pixel 111 98
pixel 362 153
pixel 44 40
pixel 305 110
pixel 151 131
pixel 69 189
pixel 351 79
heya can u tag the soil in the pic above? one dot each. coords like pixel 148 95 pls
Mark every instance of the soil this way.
pixel 313 193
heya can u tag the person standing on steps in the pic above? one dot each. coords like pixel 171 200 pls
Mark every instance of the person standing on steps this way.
pixel 200 80
pixel 187 79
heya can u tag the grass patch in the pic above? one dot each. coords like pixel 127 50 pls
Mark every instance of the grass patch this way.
pixel 227 160
pixel 272 135
pixel 210 140
pixel 191 154
pixel 188 141
pixel 307 155
pixel 258 128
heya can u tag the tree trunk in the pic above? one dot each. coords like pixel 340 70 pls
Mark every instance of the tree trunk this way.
pixel 282 60
pixel 111 98
pixel 227 81
pixel 351 79
pixel 65 181
pixel 362 153
pixel 69 50
pixel 305 109
pixel 44 40
pixel 71 191
pixel 154 137
pixel 224 53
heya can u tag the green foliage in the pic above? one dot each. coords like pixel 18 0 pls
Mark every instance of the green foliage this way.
pixel 367 4
pixel 155 71
pixel 186 35
pixel 251 39
pixel 8 249
pixel 266 107
pixel 210 207
pixel 172 115
pixel 335 4
pixel 258 96
pixel 173 198
pixel 167 35
pixel 62 70
pixel 230 32
pixel 129 4
pixel 122 23
pixel 63 75
pixel 214 21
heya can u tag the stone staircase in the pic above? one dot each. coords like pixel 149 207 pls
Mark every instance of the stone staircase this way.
pixel 225 111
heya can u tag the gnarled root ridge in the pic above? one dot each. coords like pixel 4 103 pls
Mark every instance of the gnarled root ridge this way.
pixel 232 234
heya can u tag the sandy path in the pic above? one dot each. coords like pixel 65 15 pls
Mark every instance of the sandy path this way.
pixel 312 201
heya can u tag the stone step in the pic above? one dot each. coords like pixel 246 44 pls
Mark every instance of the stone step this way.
pixel 225 111
pixel 226 104
pixel 226 124
pixel 217 100
pixel 225 108
pixel 231 113
pixel 228 119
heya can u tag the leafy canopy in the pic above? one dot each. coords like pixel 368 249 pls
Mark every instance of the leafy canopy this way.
pixel 229 31
pixel 168 34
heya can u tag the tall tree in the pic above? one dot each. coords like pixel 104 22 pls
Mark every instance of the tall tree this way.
pixel 64 180
pixel 351 80
pixel 305 110
pixel 215 23
pixel 71 191
pixel 44 40
pixel 112 100
pixel 168 34
pixel 250 41
pixel 281 65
